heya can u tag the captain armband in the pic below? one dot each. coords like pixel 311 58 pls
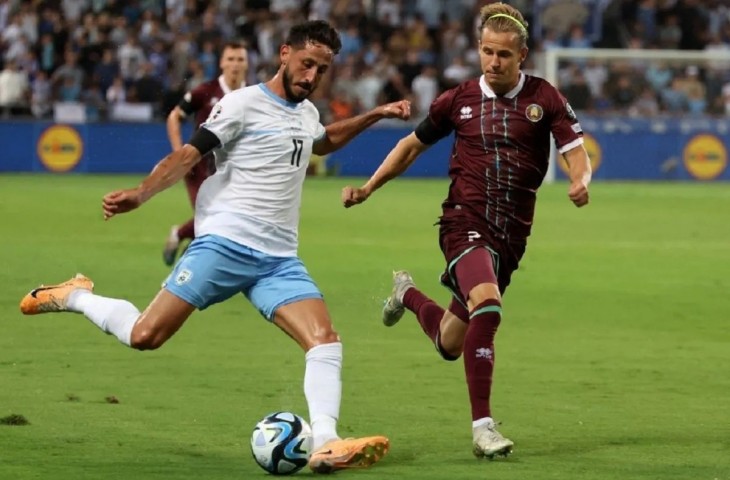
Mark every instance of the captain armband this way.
pixel 428 133
pixel 204 141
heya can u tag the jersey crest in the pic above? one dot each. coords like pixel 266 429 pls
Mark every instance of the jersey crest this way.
pixel 534 112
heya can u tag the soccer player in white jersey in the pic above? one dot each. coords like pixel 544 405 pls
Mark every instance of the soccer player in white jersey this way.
pixel 246 221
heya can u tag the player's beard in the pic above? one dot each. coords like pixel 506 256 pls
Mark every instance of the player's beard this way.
pixel 290 95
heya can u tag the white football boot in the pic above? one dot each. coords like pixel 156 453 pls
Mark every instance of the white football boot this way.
pixel 393 308
pixel 488 442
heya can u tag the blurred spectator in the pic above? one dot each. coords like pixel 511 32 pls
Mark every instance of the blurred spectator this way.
pixel 623 93
pixel 369 86
pixel 160 60
pixel 646 105
pixel 195 75
pixel 210 31
pixel 46 53
pixel 147 87
pixel 69 91
pixel 394 88
pixel 13 90
pixel 694 90
pixel 41 96
pixel 578 93
pixel 457 72
pixel 669 33
pixel 454 42
pixel 72 9
pixel 577 38
pixel 106 70
pixel 425 89
pixel 595 73
pixel 373 53
pixel 351 42
pixel 674 99
pixel 208 60
pixel 116 93
pixel 726 99
pixel 411 67
pixel 131 57
pixel 69 76
pixel 345 83
pixel 420 41
pixel 94 101
pixel 342 105
pixel 659 75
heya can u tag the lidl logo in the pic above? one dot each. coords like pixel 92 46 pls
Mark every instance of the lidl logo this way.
pixel 60 148
pixel 594 153
pixel 705 157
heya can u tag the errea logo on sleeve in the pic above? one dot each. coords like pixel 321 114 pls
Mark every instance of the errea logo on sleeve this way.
pixel 465 112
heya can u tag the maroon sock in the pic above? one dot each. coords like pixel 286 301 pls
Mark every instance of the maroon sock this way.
pixel 479 355
pixel 428 312
pixel 187 230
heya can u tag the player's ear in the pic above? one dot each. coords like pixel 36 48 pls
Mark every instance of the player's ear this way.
pixel 523 54
pixel 284 53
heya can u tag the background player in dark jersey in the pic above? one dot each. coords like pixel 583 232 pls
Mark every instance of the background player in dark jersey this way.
pixel 199 102
pixel 502 123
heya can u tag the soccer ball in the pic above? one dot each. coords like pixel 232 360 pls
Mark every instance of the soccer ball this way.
pixel 281 443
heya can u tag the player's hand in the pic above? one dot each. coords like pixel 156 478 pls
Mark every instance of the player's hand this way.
pixel 401 110
pixel 578 194
pixel 353 196
pixel 121 201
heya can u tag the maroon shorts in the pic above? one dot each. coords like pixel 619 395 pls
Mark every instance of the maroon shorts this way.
pixel 490 260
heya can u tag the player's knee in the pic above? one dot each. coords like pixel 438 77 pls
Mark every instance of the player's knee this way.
pixel 482 293
pixel 449 351
pixel 324 336
pixel 147 339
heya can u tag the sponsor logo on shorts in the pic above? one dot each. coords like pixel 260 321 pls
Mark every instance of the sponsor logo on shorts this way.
pixel 183 277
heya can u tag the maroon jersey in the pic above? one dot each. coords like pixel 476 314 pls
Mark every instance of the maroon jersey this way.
pixel 501 153
pixel 202 98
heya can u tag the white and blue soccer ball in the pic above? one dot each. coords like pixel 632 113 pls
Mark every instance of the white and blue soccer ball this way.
pixel 281 443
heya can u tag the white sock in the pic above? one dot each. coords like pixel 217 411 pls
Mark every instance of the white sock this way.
pixel 323 390
pixel 483 421
pixel 113 316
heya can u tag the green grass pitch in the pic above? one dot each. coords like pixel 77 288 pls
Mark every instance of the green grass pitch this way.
pixel 613 358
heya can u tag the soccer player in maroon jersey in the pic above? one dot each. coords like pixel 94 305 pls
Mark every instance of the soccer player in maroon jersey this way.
pixel 502 123
pixel 199 101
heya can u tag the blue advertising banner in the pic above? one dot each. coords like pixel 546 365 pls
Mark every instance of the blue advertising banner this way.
pixel 620 149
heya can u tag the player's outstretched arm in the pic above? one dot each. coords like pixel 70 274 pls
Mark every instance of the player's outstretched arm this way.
pixel 339 133
pixel 580 175
pixel 165 174
pixel 397 162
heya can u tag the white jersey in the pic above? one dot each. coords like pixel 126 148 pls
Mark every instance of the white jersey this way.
pixel 255 195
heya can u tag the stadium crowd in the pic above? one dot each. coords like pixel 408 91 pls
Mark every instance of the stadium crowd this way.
pixel 101 52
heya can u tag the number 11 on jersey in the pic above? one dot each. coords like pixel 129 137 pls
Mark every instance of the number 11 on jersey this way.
pixel 296 155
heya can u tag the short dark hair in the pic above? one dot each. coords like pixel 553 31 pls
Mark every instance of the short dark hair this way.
pixel 314 31
pixel 233 45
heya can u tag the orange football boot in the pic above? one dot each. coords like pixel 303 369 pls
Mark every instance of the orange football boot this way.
pixel 348 453
pixel 53 298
